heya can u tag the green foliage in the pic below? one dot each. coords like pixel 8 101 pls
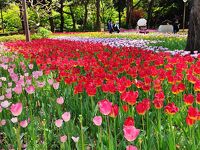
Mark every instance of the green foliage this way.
pixel 11 19
pixel 12 38
pixel 36 36
pixel 44 33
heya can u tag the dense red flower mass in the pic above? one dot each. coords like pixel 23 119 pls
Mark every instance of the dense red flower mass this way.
pixel 132 73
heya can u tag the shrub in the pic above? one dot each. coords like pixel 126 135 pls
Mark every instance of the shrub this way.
pixel 44 33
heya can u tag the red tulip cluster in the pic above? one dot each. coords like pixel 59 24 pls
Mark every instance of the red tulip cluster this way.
pixel 128 71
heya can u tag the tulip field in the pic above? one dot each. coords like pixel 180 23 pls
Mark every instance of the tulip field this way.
pixel 94 94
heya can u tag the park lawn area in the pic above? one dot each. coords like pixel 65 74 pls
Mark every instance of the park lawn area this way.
pixel 170 41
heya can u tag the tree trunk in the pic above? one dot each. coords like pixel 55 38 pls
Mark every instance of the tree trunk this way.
pixel 149 13
pixel 51 21
pixel 98 23
pixel 61 16
pixel 193 41
pixel 85 15
pixel 21 18
pixel 119 12
pixel 129 13
pixel 73 18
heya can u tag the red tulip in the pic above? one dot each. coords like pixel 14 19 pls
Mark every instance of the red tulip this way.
pixel 125 108
pixel 193 113
pixel 171 109
pixel 188 99
pixel 143 106
pixel 198 98
pixel 130 97
pixel 129 122
pixel 115 111
pixel 189 121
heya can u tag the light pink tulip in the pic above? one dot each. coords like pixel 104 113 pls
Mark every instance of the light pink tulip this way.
pixel 63 138
pixel 66 116
pixel 5 104
pixel 59 123
pixel 9 84
pixel 130 133
pixel 14 120
pixel 2 97
pixel 75 139
pixel 130 147
pixel 16 109
pixel 60 100
pixel 56 85
pixel 50 81
pixel 3 122
pixel 105 106
pixel 24 123
pixel 97 120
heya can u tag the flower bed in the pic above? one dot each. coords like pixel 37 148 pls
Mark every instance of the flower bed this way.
pixel 109 97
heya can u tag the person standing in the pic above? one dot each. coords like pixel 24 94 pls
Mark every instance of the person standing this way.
pixel 110 26
pixel 176 26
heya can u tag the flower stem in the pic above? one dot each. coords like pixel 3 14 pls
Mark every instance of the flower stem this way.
pixel 19 145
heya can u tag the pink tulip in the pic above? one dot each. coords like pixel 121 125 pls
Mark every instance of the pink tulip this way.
pixel 16 109
pixel 75 139
pixel 97 120
pixel 66 116
pixel 50 81
pixel 30 89
pixel 59 123
pixel 130 147
pixel 56 85
pixel 63 138
pixel 105 106
pixel 9 95
pixel 18 89
pixel 24 123
pixel 130 133
pixel 60 100
pixel 40 84
pixel 30 66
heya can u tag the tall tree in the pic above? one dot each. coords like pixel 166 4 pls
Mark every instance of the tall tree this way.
pixel 193 41
pixel 98 23
pixel 61 11
pixel 3 5
pixel 119 6
pixel 129 5
pixel 85 3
